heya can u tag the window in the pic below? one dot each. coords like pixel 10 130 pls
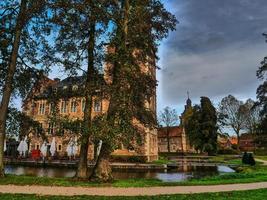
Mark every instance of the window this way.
pixel 83 104
pixel 51 128
pixel 73 106
pixel 97 106
pixel 41 108
pixel 51 108
pixel 63 107
pixel 59 147
pixel 37 146
pixel 75 87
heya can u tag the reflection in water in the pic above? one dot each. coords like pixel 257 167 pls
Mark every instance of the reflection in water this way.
pixel 180 174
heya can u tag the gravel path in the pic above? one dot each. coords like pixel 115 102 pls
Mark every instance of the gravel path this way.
pixel 264 162
pixel 111 191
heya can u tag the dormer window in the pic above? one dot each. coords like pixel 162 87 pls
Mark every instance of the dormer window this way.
pixel 74 87
pixel 97 106
pixel 55 90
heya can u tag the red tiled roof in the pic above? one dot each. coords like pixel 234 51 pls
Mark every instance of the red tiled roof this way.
pixel 175 131
pixel 233 140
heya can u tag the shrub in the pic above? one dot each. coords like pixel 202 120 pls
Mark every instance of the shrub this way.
pixel 227 151
pixel 251 160
pixel 248 159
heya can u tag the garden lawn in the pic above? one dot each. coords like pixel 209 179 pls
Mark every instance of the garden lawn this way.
pixel 237 195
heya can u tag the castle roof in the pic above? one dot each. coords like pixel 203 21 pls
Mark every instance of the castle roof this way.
pixel 174 131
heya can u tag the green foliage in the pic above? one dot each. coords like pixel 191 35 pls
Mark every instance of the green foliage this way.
pixel 227 151
pixel 248 159
pixel 33 49
pixel 202 127
pixel 245 158
pixel 19 124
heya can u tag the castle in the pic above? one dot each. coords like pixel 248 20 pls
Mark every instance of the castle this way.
pixel 38 106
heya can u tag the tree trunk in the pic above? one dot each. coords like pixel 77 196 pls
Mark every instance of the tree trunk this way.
pixel 238 141
pixel 82 171
pixel 9 81
pixel 102 171
pixel 168 140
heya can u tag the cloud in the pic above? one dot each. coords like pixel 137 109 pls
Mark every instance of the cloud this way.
pixel 215 51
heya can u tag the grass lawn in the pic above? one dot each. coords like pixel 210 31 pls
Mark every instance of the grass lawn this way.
pixel 238 195
pixel 162 160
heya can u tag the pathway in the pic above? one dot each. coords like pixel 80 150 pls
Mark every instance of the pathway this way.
pixel 111 191
pixel 264 162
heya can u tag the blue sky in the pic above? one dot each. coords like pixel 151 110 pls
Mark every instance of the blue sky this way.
pixel 215 51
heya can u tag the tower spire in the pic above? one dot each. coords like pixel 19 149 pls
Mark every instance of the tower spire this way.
pixel 188 101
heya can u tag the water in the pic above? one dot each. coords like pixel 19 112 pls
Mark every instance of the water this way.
pixel 180 174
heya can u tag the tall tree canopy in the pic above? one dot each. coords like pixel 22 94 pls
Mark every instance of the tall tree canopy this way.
pixel 262 100
pixel 23 46
pixel 139 26
pixel 202 127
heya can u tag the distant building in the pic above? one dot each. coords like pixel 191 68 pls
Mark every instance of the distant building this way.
pixel 178 139
pixel 246 142
pixel 226 142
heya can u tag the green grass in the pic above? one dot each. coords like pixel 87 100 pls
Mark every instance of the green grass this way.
pixel 237 195
pixel 162 160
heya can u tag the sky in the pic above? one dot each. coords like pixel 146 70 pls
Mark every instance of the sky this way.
pixel 215 51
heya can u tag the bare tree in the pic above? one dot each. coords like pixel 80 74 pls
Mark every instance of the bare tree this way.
pixel 252 116
pixel 168 118
pixel 233 114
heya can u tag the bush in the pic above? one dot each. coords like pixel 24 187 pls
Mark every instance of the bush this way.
pixel 248 159
pixel 251 160
pixel 245 158
pixel 227 151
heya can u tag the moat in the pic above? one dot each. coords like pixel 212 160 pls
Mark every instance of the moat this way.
pixel 179 174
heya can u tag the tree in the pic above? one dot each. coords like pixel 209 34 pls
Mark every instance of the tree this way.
pixel 232 114
pixel 168 118
pixel 139 26
pixel 202 127
pixel 262 101
pixel 192 128
pixel 21 24
pixel 208 125
pixel 82 25
pixel 253 117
